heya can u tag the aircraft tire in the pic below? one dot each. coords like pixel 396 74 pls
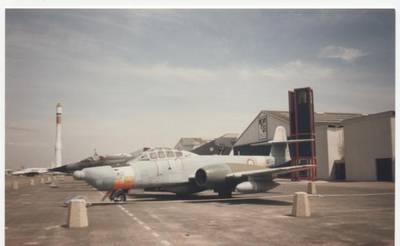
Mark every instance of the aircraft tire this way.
pixel 118 196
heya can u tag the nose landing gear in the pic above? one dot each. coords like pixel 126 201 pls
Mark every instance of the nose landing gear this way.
pixel 118 195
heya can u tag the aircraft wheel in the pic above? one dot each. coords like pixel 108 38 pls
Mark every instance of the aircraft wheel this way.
pixel 117 199
pixel 118 196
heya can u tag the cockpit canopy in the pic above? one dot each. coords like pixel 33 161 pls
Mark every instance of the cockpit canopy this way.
pixel 161 154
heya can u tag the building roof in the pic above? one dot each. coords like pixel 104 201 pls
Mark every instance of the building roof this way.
pixel 221 145
pixel 387 114
pixel 230 135
pixel 318 117
pixel 190 143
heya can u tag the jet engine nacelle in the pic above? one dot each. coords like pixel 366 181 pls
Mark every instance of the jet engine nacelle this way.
pixel 79 175
pixel 254 186
pixel 211 175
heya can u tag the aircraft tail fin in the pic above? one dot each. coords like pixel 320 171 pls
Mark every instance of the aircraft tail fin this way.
pixel 280 145
pixel 280 134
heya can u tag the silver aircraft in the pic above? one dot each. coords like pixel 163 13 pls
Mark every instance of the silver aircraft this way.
pixel 182 172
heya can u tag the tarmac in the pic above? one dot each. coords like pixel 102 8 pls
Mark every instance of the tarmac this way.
pixel 342 213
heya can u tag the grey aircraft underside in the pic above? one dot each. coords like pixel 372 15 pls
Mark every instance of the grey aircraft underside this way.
pixel 182 172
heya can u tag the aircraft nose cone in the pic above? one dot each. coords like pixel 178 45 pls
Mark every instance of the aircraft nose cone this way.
pixel 102 178
pixel 79 175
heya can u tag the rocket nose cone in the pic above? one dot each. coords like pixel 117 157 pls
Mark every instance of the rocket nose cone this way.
pixel 79 175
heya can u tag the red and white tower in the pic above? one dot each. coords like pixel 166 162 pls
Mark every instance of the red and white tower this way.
pixel 58 147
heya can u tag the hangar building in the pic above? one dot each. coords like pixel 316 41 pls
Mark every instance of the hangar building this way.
pixel 328 137
pixel 219 146
pixel 369 152
pixel 189 144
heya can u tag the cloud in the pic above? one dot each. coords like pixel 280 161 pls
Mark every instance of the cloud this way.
pixel 27 144
pixel 342 53
pixel 22 129
pixel 296 70
pixel 149 77
pixel 17 127
pixel 173 74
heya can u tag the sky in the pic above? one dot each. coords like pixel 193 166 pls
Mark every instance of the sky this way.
pixel 134 78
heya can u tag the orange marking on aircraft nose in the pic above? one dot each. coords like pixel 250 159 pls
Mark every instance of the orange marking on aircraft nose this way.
pixel 124 183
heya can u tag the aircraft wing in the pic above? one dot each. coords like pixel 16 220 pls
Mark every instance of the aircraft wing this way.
pixel 30 171
pixel 269 171
pixel 283 142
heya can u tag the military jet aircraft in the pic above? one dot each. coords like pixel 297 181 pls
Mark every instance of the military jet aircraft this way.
pixel 32 171
pixel 182 172
pixel 113 160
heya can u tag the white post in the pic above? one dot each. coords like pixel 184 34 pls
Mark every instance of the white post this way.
pixel 77 214
pixel 311 188
pixel 301 205
pixel 15 185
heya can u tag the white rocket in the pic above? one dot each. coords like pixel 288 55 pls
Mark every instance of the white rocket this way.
pixel 58 147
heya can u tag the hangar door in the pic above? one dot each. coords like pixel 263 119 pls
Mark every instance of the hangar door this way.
pixel 340 171
pixel 384 169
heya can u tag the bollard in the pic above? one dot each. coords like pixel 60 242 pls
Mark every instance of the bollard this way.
pixel 301 206
pixel 15 185
pixel 77 214
pixel 311 188
pixel 53 185
pixel 42 180
pixel 48 180
pixel 32 182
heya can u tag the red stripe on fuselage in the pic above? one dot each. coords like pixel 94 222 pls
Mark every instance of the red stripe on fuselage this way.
pixel 125 183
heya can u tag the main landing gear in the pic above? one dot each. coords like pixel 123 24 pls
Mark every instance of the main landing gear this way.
pixel 225 191
pixel 118 195
pixel 225 194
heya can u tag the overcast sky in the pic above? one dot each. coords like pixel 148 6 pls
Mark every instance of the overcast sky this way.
pixel 134 78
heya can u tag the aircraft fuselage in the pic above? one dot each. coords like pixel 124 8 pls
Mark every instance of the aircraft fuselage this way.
pixel 170 174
